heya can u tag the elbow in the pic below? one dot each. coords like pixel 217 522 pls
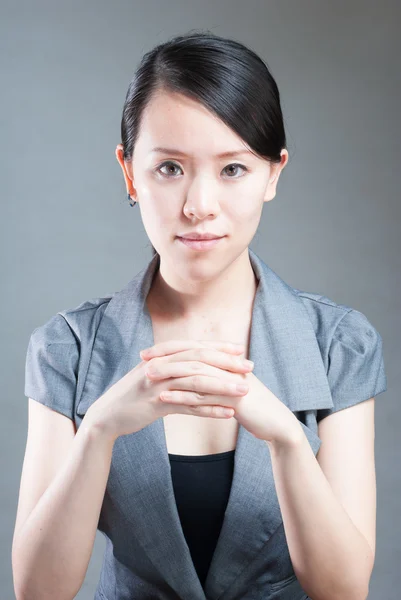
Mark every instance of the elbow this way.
pixel 30 594
pixel 342 595
pixel 30 585
pixel 28 590
pixel 362 595
pixel 346 586
pixel 327 596
pixel 358 591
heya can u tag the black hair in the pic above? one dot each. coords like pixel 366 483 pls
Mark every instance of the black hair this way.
pixel 228 78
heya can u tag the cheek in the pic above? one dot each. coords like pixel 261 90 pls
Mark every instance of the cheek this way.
pixel 159 195
pixel 159 217
pixel 246 202
pixel 245 212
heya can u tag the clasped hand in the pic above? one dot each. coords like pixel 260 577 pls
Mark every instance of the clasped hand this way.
pixel 200 373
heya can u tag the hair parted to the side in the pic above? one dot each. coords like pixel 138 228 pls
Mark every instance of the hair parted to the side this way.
pixel 228 78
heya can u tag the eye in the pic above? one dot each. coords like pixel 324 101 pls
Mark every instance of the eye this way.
pixel 171 165
pixel 236 165
pixel 166 163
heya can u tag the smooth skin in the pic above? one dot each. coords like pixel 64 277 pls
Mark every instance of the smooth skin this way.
pixel 50 555
pixel 192 188
pixel 61 491
pixel 65 472
pixel 134 401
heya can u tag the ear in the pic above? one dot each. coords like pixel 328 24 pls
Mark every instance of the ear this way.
pixel 274 175
pixel 126 169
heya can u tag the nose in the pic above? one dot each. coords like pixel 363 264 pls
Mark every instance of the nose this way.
pixel 202 201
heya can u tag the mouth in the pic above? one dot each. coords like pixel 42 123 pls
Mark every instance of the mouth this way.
pixel 200 244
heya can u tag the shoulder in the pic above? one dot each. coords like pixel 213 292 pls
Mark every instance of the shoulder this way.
pixel 58 352
pixel 334 321
pixel 324 313
pixel 351 349
pixel 86 316
pixel 72 324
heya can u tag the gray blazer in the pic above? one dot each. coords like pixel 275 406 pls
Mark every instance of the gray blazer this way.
pixel 316 356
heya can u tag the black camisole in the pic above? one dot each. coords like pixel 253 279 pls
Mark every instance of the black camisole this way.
pixel 202 487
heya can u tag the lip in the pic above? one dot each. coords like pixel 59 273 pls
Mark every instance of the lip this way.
pixel 200 244
pixel 194 235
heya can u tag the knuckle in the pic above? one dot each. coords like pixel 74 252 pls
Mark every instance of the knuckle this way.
pixel 202 354
pixel 196 380
pixel 196 365
pixel 152 363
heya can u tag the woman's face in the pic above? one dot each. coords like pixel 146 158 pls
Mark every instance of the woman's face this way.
pixel 188 187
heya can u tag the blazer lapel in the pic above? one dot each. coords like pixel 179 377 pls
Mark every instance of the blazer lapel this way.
pixel 287 360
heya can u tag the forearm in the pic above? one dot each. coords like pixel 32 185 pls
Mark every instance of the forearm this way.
pixel 52 549
pixel 331 558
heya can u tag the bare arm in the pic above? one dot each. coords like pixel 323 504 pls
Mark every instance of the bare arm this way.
pixel 52 546
pixel 328 504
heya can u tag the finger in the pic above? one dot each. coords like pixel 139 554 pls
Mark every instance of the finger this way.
pixel 208 385
pixel 172 346
pixel 209 362
pixel 194 358
pixel 214 410
pixel 186 398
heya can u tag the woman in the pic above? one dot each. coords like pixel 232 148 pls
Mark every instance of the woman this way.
pixel 195 502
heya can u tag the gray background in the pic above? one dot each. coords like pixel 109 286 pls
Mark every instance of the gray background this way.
pixel 68 233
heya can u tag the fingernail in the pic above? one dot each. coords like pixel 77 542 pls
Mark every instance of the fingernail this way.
pixel 249 363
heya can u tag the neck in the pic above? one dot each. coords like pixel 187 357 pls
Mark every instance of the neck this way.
pixel 228 292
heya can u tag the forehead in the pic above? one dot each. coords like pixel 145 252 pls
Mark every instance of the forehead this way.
pixel 174 120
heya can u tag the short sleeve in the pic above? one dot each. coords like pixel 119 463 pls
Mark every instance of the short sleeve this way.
pixel 51 366
pixel 355 363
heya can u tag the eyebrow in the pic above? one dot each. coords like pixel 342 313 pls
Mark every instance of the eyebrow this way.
pixel 178 152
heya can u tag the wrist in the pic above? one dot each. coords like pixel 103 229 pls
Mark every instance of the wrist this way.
pixel 292 437
pixel 97 426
